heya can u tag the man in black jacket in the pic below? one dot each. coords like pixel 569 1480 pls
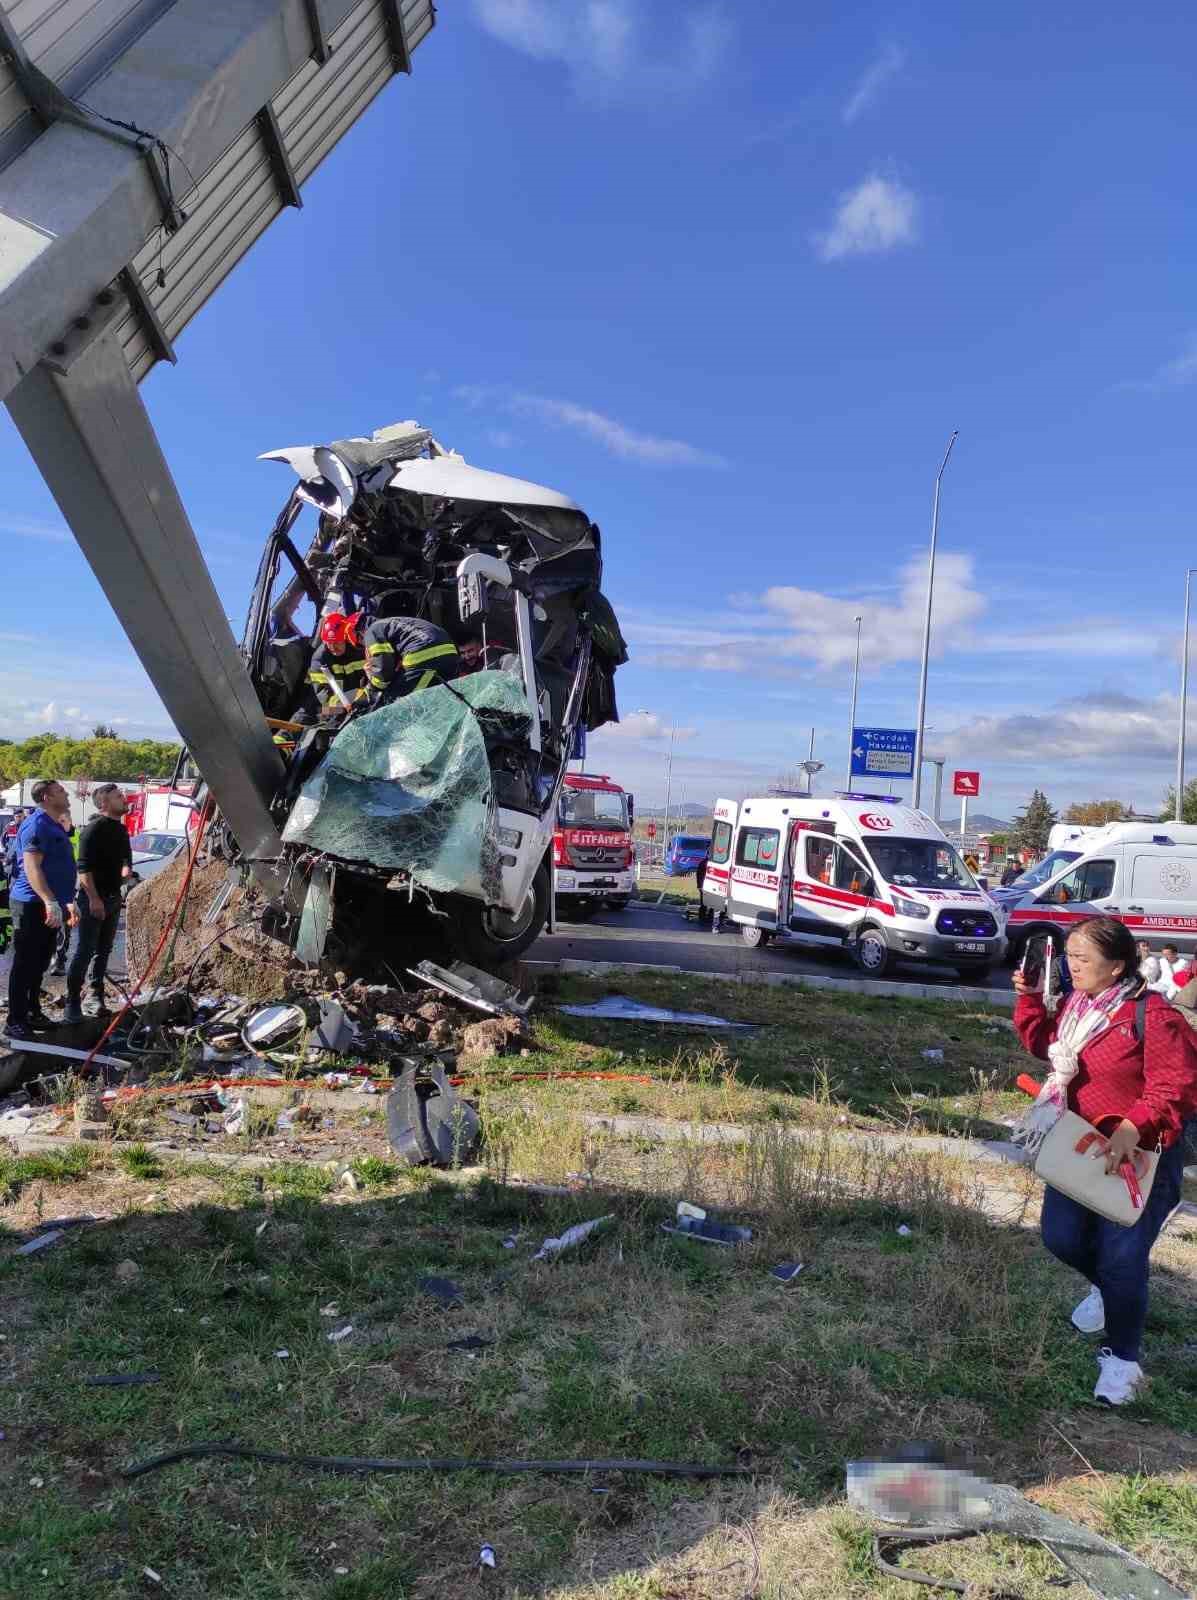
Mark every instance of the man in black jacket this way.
pixel 105 858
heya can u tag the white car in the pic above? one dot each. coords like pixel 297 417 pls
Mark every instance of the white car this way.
pixel 151 852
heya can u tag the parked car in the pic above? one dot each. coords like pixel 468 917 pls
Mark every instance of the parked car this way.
pixel 151 852
pixel 685 853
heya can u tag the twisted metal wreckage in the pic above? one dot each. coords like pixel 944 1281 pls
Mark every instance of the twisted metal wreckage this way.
pixel 452 790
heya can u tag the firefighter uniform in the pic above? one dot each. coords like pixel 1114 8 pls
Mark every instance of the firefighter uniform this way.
pixel 348 670
pixel 405 653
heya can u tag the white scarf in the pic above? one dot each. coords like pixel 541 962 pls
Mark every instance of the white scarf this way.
pixel 1082 1018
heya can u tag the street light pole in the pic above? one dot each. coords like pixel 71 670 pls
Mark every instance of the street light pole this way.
pixel 918 732
pixel 1184 705
pixel 852 715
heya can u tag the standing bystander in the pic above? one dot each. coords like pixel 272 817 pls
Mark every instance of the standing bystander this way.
pixel 41 900
pixel 105 858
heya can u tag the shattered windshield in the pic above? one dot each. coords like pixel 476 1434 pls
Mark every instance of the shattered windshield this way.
pixel 1045 869
pixel 920 864
pixel 593 807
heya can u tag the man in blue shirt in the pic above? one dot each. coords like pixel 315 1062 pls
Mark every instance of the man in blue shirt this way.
pixel 42 896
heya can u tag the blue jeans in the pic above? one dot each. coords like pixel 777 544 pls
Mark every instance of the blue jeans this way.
pixel 93 947
pixel 1114 1258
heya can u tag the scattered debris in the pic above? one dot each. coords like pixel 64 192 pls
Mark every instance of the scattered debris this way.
pixel 153 1576
pixel 935 1503
pixel 620 1008
pixel 427 1121
pixel 476 988
pixel 500 1464
pixel 571 1237
pixel 338 1334
pixel 786 1271
pixel 904 1232
pixel 693 1222
pixel 234 1122
pixel 332 1309
pixel 126 1272
pixel 282 1355
pixel 470 1342
pixel 510 1242
pixel 442 1289
pixel 486 1556
pixel 932 1055
pixel 40 1243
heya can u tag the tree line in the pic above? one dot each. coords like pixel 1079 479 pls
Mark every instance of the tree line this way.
pixel 104 757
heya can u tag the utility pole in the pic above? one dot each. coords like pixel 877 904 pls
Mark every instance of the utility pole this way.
pixel 852 714
pixel 1184 705
pixel 918 732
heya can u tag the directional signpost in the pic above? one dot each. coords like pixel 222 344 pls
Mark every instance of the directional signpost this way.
pixel 883 752
pixel 967 785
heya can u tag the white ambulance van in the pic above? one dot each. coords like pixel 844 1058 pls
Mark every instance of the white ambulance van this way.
pixel 1143 873
pixel 864 869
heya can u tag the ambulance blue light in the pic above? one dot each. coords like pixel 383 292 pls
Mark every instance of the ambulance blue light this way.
pixel 1160 838
pixel 881 799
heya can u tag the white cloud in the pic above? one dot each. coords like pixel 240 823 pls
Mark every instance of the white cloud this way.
pixel 878 215
pixel 648 448
pixel 611 47
pixel 31 528
pixel 1174 374
pixel 646 726
pixel 872 81
pixel 1096 728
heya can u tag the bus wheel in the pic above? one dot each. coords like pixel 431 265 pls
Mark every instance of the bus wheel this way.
pixel 490 936
pixel 753 936
pixel 872 953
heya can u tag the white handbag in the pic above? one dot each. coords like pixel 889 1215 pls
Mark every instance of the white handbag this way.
pixel 1066 1161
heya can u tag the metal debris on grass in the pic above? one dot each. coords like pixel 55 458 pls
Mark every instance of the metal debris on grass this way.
pixel 338 1334
pixel 621 1008
pixel 442 1289
pixel 786 1271
pixel 41 1242
pixel 486 1556
pixel 571 1237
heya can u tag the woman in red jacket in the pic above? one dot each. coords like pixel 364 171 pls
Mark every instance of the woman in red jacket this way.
pixel 1138 1093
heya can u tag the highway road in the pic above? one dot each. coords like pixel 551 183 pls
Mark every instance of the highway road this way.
pixel 661 936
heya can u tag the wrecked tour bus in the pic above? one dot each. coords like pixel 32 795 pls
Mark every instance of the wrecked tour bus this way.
pixel 448 794
pixel 863 869
pixel 593 854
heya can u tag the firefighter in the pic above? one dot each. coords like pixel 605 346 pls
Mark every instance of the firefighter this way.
pixel 406 653
pixel 338 667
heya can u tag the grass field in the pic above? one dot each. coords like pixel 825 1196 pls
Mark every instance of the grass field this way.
pixel 634 1344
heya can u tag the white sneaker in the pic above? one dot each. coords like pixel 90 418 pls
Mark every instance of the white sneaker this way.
pixel 1090 1315
pixel 1119 1380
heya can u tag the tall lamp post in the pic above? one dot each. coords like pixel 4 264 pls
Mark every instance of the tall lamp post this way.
pixel 852 714
pixel 1184 704
pixel 918 732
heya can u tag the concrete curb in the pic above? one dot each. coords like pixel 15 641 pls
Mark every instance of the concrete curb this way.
pixel 1002 998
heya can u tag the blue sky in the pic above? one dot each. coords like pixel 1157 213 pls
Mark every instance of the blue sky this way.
pixel 730 276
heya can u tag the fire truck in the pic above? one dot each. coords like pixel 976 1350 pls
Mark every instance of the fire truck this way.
pixel 593 854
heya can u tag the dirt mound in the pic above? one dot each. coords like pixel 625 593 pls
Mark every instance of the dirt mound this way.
pixel 230 955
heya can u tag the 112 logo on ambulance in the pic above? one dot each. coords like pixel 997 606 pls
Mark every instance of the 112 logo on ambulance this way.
pixel 876 820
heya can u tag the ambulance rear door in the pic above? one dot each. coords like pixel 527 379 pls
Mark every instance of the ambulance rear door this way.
pixel 756 867
pixel 718 873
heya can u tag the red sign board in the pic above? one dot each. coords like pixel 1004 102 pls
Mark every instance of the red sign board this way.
pixel 652 830
pixel 966 783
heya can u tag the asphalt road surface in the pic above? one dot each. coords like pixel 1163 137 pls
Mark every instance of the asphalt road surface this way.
pixel 661 936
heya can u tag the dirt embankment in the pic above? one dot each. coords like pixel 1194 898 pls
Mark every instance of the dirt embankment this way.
pixel 230 955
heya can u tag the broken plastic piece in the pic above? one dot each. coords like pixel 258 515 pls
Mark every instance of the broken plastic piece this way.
pixel 427 1120
pixel 334 1031
pixel 708 1232
pixel 932 1055
pixel 620 1008
pixel 273 1027
pixel 904 1232
pixel 442 1289
pixel 943 1503
pixel 786 1271
pixel 474 987
pixel 470 1342
pixel 486 1556
pixel 571 1237
pixel 338 1334
pixel 40 1243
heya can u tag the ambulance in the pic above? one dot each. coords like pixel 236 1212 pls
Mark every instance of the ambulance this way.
pixel 1145 874
pixel 863 869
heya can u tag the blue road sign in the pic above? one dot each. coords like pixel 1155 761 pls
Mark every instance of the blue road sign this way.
pixel 883 752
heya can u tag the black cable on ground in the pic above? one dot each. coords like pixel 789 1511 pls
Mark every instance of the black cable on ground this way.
pixel 663 1469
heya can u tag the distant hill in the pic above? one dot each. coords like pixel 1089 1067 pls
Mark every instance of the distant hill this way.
pixel 978 822
pixel 676 812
